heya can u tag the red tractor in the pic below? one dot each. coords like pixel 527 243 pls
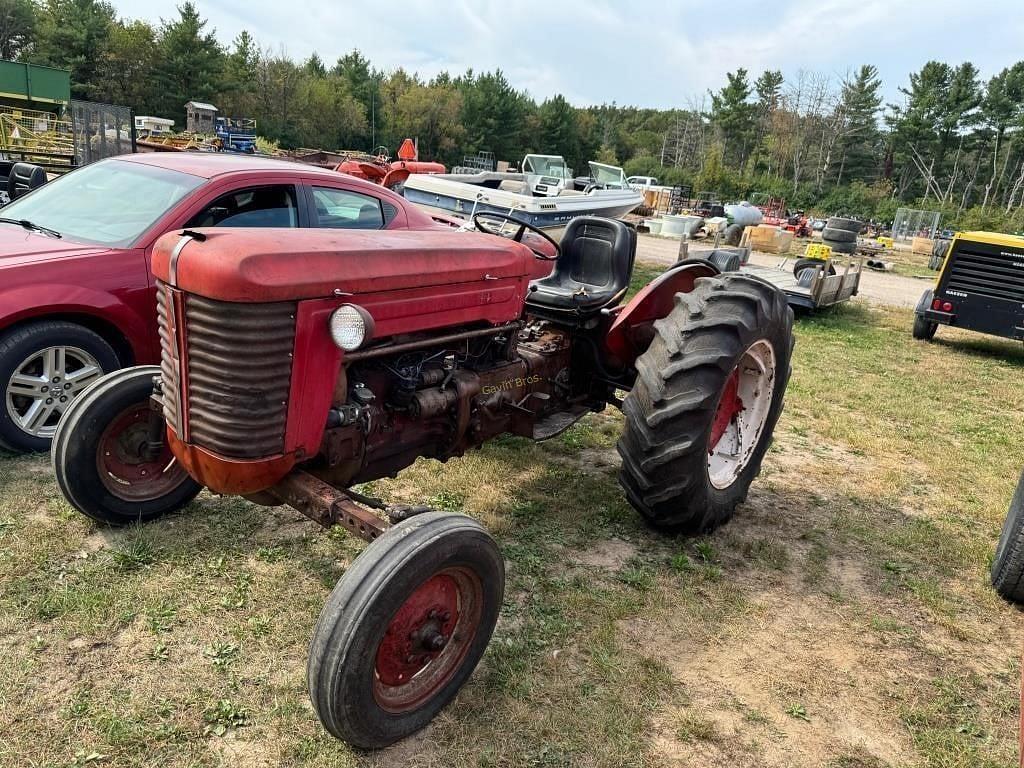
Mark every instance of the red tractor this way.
pixel 298 364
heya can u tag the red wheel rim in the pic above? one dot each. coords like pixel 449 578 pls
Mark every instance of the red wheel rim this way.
pixel 729 408
pixel 124 469
pixel 427 639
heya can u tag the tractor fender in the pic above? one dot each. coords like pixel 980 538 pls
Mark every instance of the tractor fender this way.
pixel 633 328
pixel 395 177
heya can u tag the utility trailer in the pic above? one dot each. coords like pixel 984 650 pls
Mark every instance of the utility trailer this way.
pixel 812 286
pixel 808 284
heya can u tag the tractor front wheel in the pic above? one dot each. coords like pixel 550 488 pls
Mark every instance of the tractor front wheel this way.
pixel 404 628
pixel 708 393
pixel 102 460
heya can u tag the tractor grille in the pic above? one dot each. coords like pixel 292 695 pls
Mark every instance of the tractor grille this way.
pixel 239 363
pixel 171 386
pixel 983 270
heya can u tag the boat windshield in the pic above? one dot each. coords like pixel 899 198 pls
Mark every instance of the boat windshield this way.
pixel 546 165
pixel 608 176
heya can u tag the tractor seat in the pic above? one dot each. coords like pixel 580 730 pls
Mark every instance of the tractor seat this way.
pixel 23 178
pixel 593 271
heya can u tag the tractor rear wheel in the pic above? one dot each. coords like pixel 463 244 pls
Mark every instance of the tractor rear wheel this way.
pixel 100 454
pixel 708 394
pixel 1008 564
pixel 404 628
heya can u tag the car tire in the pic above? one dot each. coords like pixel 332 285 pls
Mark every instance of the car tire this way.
pixel 23 354
pixel 723 351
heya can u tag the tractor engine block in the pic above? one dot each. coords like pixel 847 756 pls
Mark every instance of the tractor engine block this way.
pixel 439 402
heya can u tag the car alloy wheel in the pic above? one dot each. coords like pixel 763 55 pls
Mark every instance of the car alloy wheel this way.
pixel 43 385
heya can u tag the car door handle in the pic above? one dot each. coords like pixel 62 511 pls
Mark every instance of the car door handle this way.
pixel 491 277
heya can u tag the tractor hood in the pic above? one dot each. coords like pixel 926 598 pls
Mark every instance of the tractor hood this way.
pixel 20 246
pixel 265 265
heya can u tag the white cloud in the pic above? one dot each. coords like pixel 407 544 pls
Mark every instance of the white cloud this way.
pixel 657 54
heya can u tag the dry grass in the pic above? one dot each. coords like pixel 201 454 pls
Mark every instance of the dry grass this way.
pixel 842 619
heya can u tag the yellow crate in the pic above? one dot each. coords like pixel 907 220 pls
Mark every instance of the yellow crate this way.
pixel 885 241
pixel 818 251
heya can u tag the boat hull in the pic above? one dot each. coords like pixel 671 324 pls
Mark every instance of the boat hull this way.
pixel 551 214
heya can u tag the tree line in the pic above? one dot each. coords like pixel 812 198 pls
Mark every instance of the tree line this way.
pixel 954 141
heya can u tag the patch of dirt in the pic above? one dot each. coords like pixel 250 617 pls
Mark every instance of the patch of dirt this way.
pixel 235 751
pixel 796 673
pixel 598 460
pixel 611 554
pixel 763 673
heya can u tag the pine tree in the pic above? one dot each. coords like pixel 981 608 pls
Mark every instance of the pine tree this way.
pixel 73 34
pixel 559 130
pixel 17 27
pixel 859 143
pixel 191 62
pixel 315 66
pixel 733 115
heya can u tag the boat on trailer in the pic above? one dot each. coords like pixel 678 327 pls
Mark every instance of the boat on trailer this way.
pixel 544 194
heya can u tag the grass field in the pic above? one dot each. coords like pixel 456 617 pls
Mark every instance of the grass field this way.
pixel 842 618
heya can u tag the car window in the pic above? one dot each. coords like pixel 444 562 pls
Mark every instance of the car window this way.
pixel 270 206
pixel 344 209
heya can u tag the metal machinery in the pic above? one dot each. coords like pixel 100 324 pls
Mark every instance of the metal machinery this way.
pixel 299 363
pixel 980 287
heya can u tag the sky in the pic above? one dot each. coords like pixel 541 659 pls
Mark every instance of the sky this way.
pixel 650 54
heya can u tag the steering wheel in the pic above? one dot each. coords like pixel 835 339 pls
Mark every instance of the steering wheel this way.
pixel 478 219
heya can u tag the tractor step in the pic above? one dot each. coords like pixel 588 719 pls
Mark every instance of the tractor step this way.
pixel 558 422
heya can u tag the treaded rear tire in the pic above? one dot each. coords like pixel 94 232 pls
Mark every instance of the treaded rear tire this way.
pixel 1008 564
pixel 680 380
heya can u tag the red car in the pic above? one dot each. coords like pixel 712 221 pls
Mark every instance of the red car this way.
pixel 77 296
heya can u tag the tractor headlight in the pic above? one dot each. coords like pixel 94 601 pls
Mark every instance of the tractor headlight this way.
pixel 351 327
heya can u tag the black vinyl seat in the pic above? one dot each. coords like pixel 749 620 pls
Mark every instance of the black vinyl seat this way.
pixel 593 271
pixel 23 178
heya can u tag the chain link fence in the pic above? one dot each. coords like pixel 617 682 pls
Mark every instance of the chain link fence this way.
pixel 910 223
pixel 101 130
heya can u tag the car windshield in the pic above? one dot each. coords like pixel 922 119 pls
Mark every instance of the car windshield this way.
pixel 108 203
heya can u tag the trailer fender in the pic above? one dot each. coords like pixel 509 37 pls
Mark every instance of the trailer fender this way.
pixel 924 302
pixel 633 328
